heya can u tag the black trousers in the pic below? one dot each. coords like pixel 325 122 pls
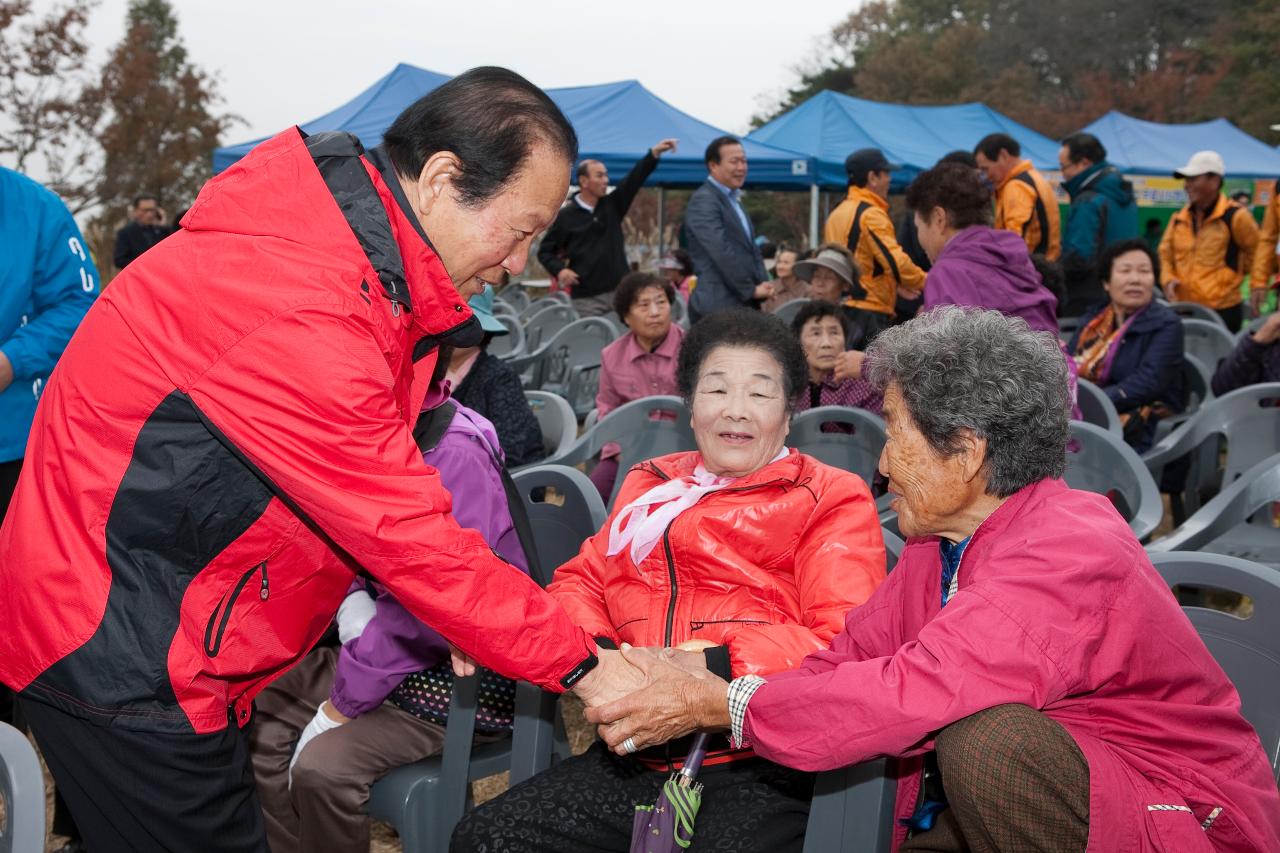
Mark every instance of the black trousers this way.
pixel 586 804
pixel 148 791
pixel 1233 316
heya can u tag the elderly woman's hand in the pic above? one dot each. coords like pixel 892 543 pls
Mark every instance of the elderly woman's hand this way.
pixel 849 365
pixel 678 698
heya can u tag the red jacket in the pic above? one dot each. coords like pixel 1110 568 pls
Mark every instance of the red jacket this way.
pixel 767 568
pixel 1058 608
pixel 227 439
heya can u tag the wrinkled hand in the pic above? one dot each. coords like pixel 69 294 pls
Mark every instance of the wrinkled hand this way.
pixel 612 678
pixel 1257 299
pixel 675 701
pixel 764 290
pixel 849 365
pixel 326 719
pixel 1171 289
pixel 567 277
pixel 463 663
pixel 1269 331
pixel 663 147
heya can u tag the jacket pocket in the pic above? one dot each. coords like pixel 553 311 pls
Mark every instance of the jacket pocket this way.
pixel 221 615
pixel 1173 827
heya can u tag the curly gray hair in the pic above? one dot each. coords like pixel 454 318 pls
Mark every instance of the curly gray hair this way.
pixel 965 368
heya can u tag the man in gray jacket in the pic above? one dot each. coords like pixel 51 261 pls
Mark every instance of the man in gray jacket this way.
pixel 721 240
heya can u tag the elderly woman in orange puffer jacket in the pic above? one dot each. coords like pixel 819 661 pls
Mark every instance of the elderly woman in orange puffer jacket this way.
pixel 744 556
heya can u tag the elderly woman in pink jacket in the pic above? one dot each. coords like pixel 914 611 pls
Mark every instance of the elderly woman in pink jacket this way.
pixel 1024 663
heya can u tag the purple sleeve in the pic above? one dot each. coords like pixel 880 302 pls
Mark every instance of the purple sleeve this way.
pixel 395 643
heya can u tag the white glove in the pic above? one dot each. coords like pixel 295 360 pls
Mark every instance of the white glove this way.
pixel 354 614
pixel 319 724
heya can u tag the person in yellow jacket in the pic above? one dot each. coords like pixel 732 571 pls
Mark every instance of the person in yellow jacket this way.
pixel 1025 203
pixel 861 222
pixel 1264 256
pixel 1208 248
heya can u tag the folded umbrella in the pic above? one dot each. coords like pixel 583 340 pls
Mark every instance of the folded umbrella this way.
pixel 667 825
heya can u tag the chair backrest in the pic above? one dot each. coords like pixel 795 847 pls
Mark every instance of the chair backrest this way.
pixel 22 794
pixel 1257 488
pixel 1104 464
pixel 512 343
pixel 564 511
pixel 541 304
pixel 1249 419
pixel 1197 379
pixel 549 317
pixel 1096 407
pixel 853 443
pixel 515 296
pixel 555 421
pixel 560 296
pixel 852 809
pixel 1247 647
pixel 1196 311
pixel 1210 342
pixel 1250 327
pixel 1067 327
pixel 893 546
pixel 787 311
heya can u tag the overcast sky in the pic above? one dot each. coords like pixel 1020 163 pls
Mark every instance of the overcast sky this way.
pixel 282 62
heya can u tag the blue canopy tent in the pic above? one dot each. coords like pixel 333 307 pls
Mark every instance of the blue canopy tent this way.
pixel 829 126
pixel 1145 147
pixel 367 115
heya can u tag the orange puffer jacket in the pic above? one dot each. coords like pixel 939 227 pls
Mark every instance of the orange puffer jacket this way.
pixel 765 569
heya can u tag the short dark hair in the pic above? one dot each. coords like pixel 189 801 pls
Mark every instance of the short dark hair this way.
pixel 742 327
pixel 858 177
pixel 1107 258
pixel 139 199
pixel 1084 146
pixel 584 168
pixel 630 287
pixel 816 309
pixel 957 189
pixel 964 158
pixel 991 145
pixel 713 150
pixel 490 118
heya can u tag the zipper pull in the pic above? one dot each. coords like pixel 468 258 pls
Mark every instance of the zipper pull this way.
pixel 263 592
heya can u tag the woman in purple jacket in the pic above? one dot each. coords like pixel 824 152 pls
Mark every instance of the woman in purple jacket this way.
pixel 1255 359
pixel 333 704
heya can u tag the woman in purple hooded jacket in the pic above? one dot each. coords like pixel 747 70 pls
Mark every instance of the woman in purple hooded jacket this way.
pixel 342 718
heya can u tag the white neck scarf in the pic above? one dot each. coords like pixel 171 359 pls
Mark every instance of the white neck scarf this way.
pixel 642 522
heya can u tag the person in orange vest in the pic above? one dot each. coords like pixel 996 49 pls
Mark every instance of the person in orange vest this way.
pixel 861 222
pixel 1025 203
pixel 1264 256
pixel 1208 247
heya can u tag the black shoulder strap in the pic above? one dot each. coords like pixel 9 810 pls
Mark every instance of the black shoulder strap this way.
pixel 1233 248
pixel 430 428
pixel 1042 215
pixel 855 235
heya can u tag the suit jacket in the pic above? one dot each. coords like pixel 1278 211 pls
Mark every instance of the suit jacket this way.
pixel 725 258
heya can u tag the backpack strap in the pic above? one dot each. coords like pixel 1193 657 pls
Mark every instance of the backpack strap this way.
pixel 1042 215
pixel 1233 248
pixel 855 236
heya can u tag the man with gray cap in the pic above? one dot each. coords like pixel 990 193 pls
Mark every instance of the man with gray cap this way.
pixel 1208 248
pixel 862 223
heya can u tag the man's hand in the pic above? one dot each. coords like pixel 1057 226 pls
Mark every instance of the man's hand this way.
pixel 1269 331
pixel 612 678
pixel 1171 289
pixel 675 701
pixel 463 663
pixel 849 365
pixel 567 278
pixel 663 147
pixel 6 372
pixel 764 290
pixel 1257 299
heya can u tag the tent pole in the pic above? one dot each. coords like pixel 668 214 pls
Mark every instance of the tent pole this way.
pixel 813 216
pixel 662 221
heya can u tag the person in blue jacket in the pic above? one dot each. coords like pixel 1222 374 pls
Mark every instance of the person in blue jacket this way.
pixel 1103 211
pixel 47 282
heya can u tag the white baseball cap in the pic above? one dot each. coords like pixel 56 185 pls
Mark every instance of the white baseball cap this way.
pixel 1202 163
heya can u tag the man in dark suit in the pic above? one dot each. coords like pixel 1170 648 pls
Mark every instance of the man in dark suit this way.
pixel 721 240
pixel 145 229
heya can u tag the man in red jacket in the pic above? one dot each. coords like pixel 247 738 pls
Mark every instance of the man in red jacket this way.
pixel 227 442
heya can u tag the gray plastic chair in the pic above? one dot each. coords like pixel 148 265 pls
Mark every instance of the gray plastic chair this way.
pixel 556 421
pixel 1250 327
pixel 515 296
pixel 543 323
pixel 1096 407
pixel 1196 381
pixel 569 363
pixel 592 418
pixel 541 304
pixel 1196 311
pixel 855 448
pixel 1247 418
pixel 893 546
pixel 425 800
pixel 680 312
pixel 1104 464
pixel 1248 650
pixel 22 792
pixel 1067 327
pixel 787 311
pixel 852 810
pixel 1231 523
pixel 1207 341
pixel 640 436
pixel 560 296
pixel 512 343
